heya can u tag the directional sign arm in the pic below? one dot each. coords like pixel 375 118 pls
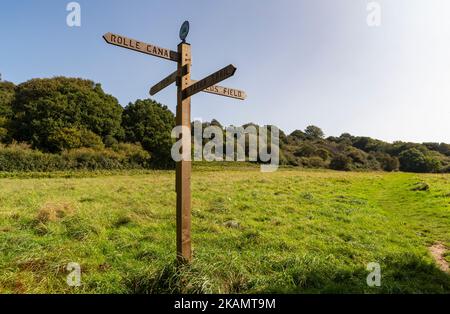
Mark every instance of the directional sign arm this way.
pixel 136 45
pixel 171 78
pixel 209 81
pixel 164 83
pixel 224 91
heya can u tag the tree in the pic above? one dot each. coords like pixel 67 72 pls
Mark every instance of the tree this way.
pixel 357 156
pixel 298 135
pixel 368 144
pixel 151 124
pixel 442 148
pixel 305 149
pixel 64 106
pixel 413 160
pixel 341 162
pixel 6 98
pixel 387 162
pixel 313 132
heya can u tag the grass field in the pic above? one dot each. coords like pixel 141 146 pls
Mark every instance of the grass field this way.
pixel 292 231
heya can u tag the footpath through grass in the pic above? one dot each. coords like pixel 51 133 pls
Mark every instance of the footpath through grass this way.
pixel 291 231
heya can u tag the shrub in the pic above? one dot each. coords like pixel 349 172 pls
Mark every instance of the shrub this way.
pixel 69 138
pixel 20 157
pixel 313 162
pixel 413 160
pixel 64 138
pixel 305 150
pixel 123 156
pixel 387 162
pixel 323 153
pixel 357 156
pixel 340 162
pixel 90 139
pixel 3 129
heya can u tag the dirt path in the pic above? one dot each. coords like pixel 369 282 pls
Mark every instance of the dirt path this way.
pixel 437 251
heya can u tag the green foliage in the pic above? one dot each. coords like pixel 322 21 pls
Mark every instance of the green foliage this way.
pixel 348 152
pixel 150 124
pixel 6 98
pixel 297 135
pixel 442 148
pixel 305 150
pixel 323 153
pixel 314 132
pixel 387 162
pixel 313 162
pixel 64 138
pixel 7 94
pixel 62 115
pixel 413 160
pixel 341 162
pixel 3 129
pixel 20 157
pixel 69 138
pixel 58 109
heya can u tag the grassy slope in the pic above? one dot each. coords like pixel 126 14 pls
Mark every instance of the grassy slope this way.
pixel 300 231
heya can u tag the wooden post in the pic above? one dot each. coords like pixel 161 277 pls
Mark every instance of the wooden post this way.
pixel 183 167
pixel 186 89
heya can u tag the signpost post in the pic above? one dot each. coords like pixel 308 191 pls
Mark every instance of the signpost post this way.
pixel 185 89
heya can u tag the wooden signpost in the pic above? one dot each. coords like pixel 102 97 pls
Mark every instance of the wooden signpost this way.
pixel 185 89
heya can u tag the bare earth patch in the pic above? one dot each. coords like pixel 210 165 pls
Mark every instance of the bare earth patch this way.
pixel 437 251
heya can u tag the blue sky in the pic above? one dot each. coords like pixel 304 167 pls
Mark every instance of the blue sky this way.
pixel 301 62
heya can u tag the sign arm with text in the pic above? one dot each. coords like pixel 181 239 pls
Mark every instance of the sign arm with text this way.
pixel 224 91
pixel 209 81
pixel 136 45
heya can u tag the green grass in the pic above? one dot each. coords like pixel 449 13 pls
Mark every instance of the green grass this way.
pixel 295 231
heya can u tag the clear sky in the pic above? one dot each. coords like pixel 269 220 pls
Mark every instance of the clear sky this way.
pixel 301 62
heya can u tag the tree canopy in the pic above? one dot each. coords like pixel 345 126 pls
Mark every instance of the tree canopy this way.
pixel 7 94
pixel 47 109
pixel 150 123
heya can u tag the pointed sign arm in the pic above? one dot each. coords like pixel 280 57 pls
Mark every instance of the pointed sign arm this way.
pixel 209 81
pixel 224 91
pixel 171 78
pixel 136 45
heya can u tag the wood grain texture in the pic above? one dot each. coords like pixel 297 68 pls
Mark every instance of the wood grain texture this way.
pixel 183 167
pixel 209 81
pixel 137 45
